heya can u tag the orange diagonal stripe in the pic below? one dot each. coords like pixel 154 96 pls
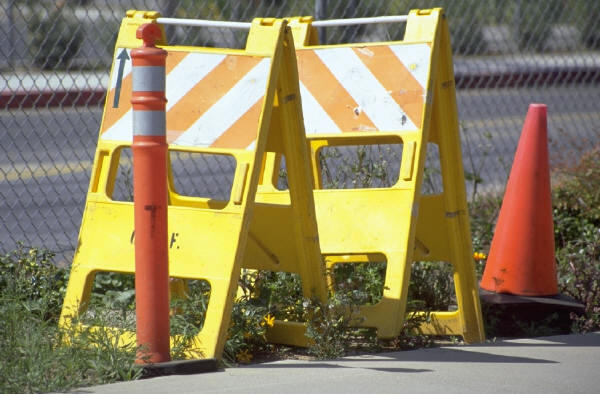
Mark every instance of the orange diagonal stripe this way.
pixel 112 115
pixel 209 90
pixel 243 132
pixel 330 94
pixel 395 78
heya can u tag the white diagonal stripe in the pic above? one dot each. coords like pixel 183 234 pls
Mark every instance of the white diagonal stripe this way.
pixel 122 130
pixel 182 78
pixel 232 106
pixel 190 70
pixel 316 119
pixel 372 98
pixel 415 58
pixel 115 70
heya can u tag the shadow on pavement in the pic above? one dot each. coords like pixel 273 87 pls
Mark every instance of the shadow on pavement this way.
pixel 584 340
pixel 428 355
pixel 451 355
pixel 332 365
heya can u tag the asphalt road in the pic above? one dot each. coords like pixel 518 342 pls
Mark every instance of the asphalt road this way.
pixel 46 156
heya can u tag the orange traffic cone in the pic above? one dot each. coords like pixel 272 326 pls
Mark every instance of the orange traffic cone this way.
pixel 521 259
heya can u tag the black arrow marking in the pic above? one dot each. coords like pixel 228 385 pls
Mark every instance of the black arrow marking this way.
pixel 123 57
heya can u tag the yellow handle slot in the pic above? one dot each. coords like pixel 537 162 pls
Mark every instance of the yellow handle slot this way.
pixel 238 187
pixel 408 159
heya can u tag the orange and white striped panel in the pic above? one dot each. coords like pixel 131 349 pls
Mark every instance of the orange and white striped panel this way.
pixel 213 100
pixel 367 88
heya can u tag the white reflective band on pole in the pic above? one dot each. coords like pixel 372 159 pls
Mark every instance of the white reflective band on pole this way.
pixel 148 79
pixel 247 25
pixel 361 21
pixel 149 123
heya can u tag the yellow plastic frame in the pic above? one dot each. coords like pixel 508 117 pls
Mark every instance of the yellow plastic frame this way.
pixel 207 231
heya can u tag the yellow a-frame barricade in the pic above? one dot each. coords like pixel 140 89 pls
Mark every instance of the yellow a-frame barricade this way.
pixel 239 103
pixel 383 93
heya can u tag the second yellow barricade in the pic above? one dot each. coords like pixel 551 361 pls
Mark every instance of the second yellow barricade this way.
pixel 385 93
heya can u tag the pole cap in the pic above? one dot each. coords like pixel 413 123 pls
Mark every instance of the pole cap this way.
pixel 149 33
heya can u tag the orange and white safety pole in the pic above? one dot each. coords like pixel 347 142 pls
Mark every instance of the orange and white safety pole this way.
pixel 150 197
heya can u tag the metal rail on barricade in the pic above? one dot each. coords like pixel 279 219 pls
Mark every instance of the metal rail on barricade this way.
pixel 247 25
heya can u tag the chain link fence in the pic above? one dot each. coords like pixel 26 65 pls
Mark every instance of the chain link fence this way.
pixel 56 59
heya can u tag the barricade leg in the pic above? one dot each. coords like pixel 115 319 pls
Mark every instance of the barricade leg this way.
pixel 77 295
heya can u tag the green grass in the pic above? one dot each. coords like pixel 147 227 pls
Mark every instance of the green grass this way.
pixel 36 355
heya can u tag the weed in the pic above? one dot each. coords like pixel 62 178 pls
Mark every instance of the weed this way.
pixel 362 166
pixel 188 311
pixel 577 237
pixel 247 330
pixel 29 278
pixel 328 326
pixel 37 356
pixel 362 283
pixel 410 336
pixel 431 286
pixel 280 293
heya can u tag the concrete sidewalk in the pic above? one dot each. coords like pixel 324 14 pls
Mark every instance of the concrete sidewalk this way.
pixel 558 364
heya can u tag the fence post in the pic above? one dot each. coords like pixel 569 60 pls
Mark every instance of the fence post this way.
pixel 321 14
pixel 150 198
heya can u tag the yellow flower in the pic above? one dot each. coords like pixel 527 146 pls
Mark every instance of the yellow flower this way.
pixel 244 356
pixel 479 256
pixel 269 320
